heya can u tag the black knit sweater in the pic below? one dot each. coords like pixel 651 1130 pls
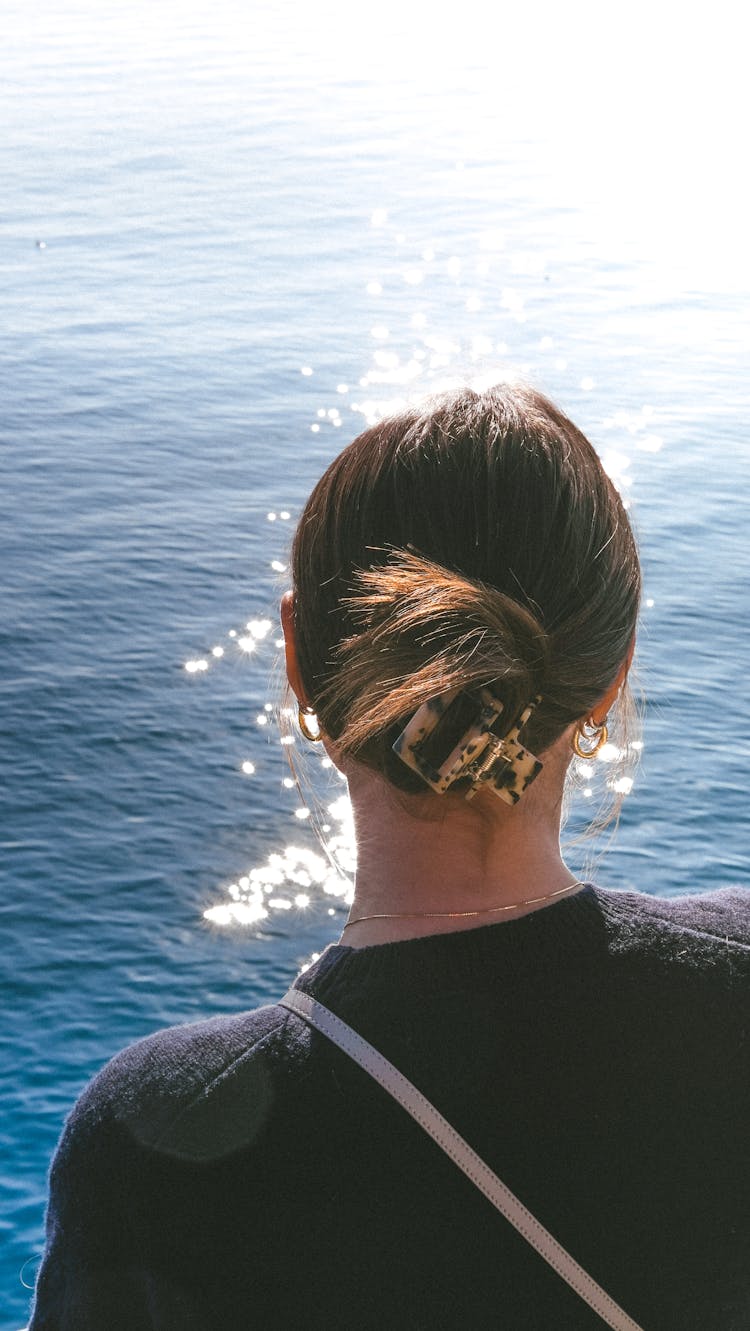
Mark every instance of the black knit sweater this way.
pixel 243 1173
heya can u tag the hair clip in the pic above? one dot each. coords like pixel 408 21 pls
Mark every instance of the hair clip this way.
pixel 503 765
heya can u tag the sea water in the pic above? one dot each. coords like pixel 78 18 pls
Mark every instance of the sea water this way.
pixel 231 237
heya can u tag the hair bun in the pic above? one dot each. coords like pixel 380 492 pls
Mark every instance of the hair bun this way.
pixel 437 631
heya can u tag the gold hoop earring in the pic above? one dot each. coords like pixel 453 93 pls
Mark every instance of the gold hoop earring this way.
pixel 313 735
pixel 591 733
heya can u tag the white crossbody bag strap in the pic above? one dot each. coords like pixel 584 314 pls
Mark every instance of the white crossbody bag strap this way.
pixel 461 1153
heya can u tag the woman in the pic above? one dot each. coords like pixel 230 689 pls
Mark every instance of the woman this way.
pixel 466 588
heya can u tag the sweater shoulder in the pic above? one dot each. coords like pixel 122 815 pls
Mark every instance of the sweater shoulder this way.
pixel 702 926
pixel 177 1100
pixel 183 1089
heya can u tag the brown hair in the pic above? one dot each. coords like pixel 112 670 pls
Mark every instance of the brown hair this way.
pixel 473 540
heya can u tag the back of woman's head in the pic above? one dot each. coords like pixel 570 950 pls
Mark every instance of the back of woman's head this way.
pixel 474 540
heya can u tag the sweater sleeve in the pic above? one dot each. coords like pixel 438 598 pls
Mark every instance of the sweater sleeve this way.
pixel 88 1278
pixel 96 1272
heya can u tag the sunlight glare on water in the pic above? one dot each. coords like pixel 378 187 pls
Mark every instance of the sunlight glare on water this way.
pixel 637 120
pixel 259 892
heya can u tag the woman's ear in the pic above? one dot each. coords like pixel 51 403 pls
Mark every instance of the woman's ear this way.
pixel 600 711
pixel 290 648
pixel 294 674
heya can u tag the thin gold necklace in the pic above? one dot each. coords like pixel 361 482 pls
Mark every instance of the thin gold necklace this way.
pixel 459 914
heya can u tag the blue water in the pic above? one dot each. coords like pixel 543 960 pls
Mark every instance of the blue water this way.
pixel 196 209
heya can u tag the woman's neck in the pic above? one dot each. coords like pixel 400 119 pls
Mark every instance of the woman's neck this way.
pixel 418 871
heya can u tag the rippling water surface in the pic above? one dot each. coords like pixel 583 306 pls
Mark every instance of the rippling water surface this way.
pixel 229 239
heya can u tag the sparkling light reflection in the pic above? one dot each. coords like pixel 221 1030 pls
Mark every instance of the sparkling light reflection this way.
pixel 296 879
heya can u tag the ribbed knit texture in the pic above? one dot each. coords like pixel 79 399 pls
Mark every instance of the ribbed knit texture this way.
pixel 242 1172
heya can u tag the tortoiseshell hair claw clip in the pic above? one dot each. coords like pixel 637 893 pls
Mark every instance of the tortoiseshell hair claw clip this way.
pixel 486 759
